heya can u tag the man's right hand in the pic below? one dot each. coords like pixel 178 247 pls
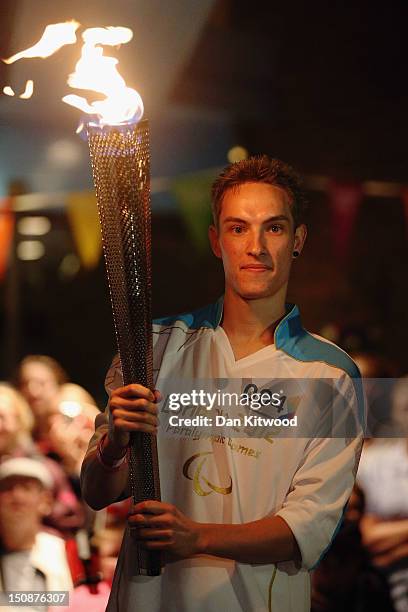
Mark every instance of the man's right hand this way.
pixel 132 408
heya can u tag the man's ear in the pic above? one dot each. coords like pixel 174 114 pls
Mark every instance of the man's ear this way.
pixel 300 237
pixel 214 241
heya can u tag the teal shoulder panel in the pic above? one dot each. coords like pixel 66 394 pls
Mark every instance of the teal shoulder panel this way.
pixel 209 316
pixel 298 343
pixel 305 347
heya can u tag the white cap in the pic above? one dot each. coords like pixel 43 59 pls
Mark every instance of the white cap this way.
pixel 22 466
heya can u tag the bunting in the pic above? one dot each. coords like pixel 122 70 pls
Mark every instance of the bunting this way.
pixel 192 193
pixel 345 200
pixel 82 214
pixel 6 233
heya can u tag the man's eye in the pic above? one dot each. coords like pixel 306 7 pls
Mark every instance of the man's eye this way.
pixel 237 229
pixel 275 228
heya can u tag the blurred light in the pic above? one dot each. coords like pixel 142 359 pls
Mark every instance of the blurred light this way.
pixel 30 250
pixel 69 266
pixel 236 154
pixel 8 91
pixel 64 154
pixel 330 332
pixel 28 92
pixel 34 226
pixel 70 409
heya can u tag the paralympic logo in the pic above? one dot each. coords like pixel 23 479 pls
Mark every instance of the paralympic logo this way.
pixel 198 477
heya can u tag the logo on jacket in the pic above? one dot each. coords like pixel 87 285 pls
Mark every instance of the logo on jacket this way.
pixel 199 480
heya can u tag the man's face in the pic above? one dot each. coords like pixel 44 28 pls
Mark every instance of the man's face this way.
pixel 256 240
pixel 39 387
pixel 23 502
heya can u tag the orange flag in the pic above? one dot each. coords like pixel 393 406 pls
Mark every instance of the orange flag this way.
pixel 6 233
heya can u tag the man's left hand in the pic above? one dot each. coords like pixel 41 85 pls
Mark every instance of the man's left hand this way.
pixel 161 526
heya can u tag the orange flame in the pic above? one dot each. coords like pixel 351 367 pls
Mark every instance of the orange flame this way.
pixel 27 93
pixel 54 37
pixel 94 72
pixel 97 72
pixel 8 91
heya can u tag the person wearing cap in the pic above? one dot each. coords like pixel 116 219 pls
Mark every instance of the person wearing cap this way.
pixel 30 558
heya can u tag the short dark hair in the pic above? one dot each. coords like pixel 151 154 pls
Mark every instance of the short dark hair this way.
pixel 260 169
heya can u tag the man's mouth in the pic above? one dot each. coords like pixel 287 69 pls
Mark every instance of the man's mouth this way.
pixel 256 267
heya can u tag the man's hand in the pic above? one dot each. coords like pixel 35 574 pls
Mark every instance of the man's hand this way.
pixel 132 408
pixel 161 526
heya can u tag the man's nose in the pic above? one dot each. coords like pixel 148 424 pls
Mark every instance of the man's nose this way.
pixel 17 491
pixel 256 243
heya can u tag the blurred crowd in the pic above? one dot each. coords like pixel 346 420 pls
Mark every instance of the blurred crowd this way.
pixel 51 540
pixel 366 568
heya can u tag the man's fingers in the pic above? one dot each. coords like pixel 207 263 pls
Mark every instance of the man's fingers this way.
pixel 152 506
pixel 151 520
pixel 135 417
pixel 157 544
pixel 136 405
pixel 154 534
pixel 157 396
pixel 134 391
pixel 129 426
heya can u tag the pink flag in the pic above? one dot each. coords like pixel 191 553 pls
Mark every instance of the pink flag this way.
pixel 345 199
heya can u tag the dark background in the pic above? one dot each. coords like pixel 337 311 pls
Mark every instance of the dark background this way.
pixel 320 85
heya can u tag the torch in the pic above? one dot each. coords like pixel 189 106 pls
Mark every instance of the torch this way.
pixel 120 158
pixel 121 169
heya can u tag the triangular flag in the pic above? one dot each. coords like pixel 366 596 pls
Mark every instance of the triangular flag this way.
pixel 82 213
pixel 192 193
pixel 6 233
pixel 345 200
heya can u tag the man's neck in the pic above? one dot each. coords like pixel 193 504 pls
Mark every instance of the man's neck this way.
pixel 250 324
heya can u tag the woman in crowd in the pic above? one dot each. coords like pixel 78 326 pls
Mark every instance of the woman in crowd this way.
pixel 16 424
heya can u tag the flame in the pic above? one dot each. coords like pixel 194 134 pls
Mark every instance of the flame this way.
pixel 28 92
pixel 54 37
pixel 8 91
pixel 93 72
pixel 97 72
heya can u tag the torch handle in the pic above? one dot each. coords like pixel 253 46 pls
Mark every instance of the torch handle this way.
pixel 120 158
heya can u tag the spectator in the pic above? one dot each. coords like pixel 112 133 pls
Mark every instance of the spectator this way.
pixel 31 559
pixel 39 379
pixel 345 578
pixel 16 422
pixel 383 476
pixel 72 426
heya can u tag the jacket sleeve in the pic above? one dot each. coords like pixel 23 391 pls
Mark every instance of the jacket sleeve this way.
pixel 321 487
pixel 113 380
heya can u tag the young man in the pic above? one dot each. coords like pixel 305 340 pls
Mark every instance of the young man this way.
pixel 241 521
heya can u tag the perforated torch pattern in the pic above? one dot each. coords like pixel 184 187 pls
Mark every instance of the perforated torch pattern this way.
pixel 120 158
